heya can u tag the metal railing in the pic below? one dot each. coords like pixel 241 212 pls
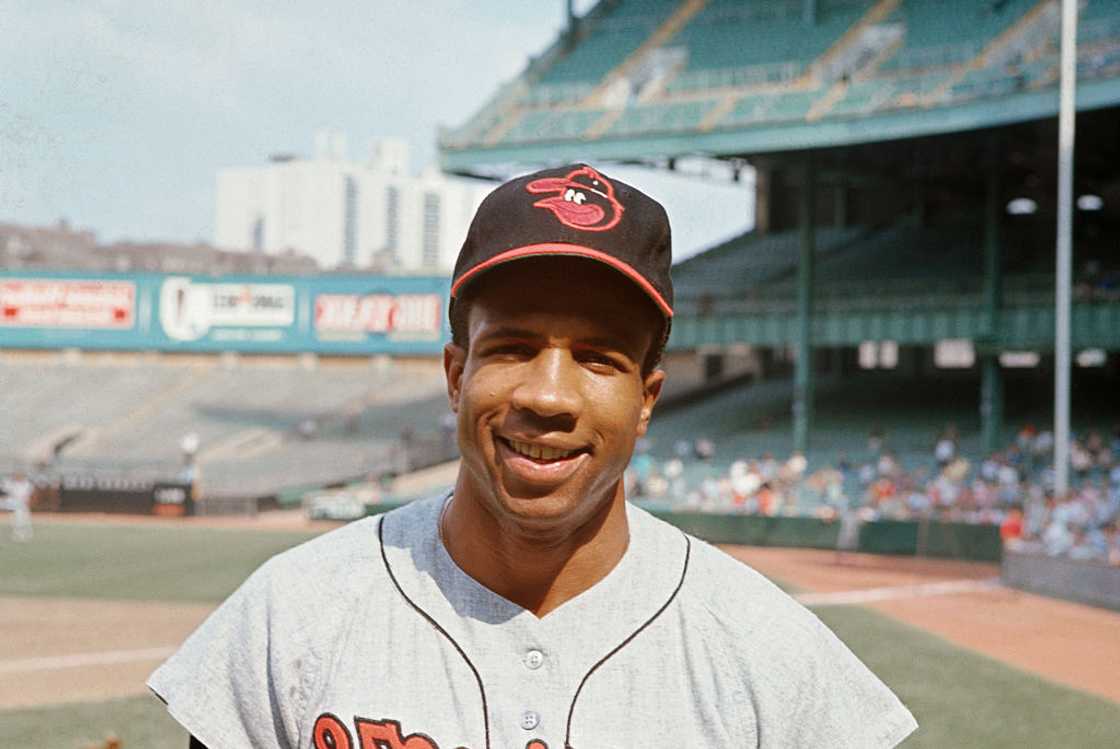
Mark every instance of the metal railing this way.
pixel 857 295
pixel 748 75
pixel 936 57
pixel 552 94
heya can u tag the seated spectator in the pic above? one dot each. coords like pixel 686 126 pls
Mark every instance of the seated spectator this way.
pixel 1043 445
pixel 1011 529
pixel 945 449
pixel 1057 539
pixel 1080 459
pixel 866 474
pixel 1083 549
pixel 888 465
pixel 989 468
pixel 704 449
pixel 768 467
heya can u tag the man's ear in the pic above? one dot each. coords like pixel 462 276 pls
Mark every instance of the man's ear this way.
pixel 454 359
pixel 651 391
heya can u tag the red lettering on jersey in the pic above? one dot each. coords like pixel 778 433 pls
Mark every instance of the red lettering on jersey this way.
pixel 386 734
pixel 331 733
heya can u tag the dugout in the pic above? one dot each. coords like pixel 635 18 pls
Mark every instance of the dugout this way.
pixel 120 494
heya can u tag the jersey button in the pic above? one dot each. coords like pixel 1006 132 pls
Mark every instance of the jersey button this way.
pixel 530 720
pixel 534 659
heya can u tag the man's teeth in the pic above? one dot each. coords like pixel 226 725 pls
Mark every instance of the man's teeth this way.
pixel 539 452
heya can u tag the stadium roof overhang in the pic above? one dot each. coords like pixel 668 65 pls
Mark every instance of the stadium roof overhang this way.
pixel 787 137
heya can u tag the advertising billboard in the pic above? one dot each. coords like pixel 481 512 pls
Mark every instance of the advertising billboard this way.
pixel 67 303
pixel 353 314
pixel 192 310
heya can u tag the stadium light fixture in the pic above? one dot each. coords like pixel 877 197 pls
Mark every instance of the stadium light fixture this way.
pixel 1091 357
pixel 1022 207
pixel 1019 359
pixel 954 353
pixel 1090 203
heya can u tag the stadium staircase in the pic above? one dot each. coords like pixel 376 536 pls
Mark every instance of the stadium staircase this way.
pixel 1005 49
pixel 666 31
pixel 859 50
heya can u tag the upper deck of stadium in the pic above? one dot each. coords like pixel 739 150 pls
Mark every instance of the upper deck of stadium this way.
pixel 647 79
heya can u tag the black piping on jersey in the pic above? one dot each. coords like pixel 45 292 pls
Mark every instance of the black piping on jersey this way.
pixel 441 630
pixel 627 641
pixel 478 678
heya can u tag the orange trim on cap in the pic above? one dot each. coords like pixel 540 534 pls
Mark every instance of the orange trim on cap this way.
pixel 558 248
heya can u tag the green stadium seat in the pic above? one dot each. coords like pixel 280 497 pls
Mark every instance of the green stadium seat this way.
pixel 951 32
pixel 609 38
pixel 656 118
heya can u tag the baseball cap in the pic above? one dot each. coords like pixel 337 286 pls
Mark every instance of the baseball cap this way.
pixel 572 210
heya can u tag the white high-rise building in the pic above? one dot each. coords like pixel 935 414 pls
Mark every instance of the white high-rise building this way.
pixel 371 215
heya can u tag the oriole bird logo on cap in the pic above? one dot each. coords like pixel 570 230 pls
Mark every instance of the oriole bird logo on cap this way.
pixel 582 199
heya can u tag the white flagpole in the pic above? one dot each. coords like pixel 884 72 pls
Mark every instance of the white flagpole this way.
pixel 1064 275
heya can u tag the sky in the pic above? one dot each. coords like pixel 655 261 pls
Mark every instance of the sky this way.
pixel 116 115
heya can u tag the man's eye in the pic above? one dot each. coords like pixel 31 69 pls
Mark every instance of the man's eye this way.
pixel 594 357
pixel 510 349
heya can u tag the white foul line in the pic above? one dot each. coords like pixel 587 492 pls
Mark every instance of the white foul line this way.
pixel 55 662
pixel 873 595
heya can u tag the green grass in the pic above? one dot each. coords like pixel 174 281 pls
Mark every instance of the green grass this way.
pixel 139 722
pixel 136 562
pixel 961 699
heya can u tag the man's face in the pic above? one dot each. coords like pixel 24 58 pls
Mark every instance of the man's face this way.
pixel 550 394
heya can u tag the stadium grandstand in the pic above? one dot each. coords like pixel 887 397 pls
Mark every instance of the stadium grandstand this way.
pixel 904 155
pixel 897 289
pixel 236 428
pixel 666 78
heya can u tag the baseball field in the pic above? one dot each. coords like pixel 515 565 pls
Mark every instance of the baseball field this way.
pixel 92 605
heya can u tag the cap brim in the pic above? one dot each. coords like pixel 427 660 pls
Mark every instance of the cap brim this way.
pixel 559 248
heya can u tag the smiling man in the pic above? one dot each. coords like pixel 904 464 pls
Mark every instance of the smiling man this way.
pixel 532 607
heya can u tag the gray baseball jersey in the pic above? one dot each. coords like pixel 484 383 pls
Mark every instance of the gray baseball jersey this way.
pixel 371 637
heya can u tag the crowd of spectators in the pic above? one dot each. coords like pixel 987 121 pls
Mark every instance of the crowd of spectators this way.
pixel 1012 488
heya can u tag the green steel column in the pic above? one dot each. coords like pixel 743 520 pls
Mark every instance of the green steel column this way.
pixel 803 372
pixel 840 203
pixel 809 11
pixel 991 382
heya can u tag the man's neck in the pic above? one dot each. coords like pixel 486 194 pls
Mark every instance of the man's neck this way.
pixel 538 569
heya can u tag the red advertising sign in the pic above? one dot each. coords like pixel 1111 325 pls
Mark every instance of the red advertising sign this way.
pixel 62 303
pixel 386 314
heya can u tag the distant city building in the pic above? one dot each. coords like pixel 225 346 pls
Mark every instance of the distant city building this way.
pixel 372 215
pixel 62 247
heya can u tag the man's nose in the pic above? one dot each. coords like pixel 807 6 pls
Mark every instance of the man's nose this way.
pixel 551 386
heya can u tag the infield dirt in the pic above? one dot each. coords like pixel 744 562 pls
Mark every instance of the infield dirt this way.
pixel 1074 645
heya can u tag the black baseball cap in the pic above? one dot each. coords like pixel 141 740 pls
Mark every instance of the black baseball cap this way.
pixel 572 210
